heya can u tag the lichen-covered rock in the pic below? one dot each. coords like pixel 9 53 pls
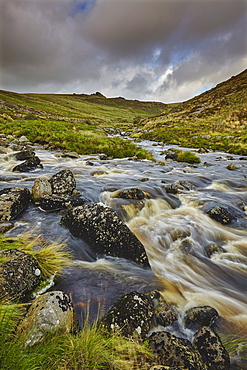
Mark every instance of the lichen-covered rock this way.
pixel 212 249
pixel 221 215
pixel 48 313
pixel 197 317
pixel 175 352
pixel 40 189
pixel 131 315
pixel 63 183
pixel 133 193
pixel 179 186
pixel 29 165
pixel 19 275
pixel 12 202
pixel 104 232
pixel 58 202
pixel 213 352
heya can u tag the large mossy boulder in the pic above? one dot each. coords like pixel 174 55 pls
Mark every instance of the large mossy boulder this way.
pixel 12 202
pixel 20 274
pixel 101 228
pixel 48 313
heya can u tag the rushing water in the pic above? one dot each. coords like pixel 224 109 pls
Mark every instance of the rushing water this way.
pixel 175 230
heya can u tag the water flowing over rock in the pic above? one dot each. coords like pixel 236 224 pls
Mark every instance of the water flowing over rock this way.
pixel 130 316
pixel 29 165
pixel 48 313
pixel 12 202
pixel 133 193
pixel 213 352
pixel 57 202
pixel 104 232
pixel 175 352
pixel 19 275
pixel 63 183
pixel 221 215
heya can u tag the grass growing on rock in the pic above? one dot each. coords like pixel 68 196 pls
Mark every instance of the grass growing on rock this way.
pixel 52 258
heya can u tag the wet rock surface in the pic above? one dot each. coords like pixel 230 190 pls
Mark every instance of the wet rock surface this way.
pixel 175 352
pixel 104 232
pixel 221 215
pixel 29 165
pixel 213 352
pixel 19 275
pixel 12 202
pixel 48 313
pixel 197 317
pixel 130 316
pixel 57 202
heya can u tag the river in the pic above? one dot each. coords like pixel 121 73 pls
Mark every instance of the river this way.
pixel 174 228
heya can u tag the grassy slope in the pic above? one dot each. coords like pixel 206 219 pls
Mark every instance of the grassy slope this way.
pixel 74 122
pixel 215 119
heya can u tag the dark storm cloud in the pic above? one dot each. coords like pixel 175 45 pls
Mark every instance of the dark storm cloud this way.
pixel 141 49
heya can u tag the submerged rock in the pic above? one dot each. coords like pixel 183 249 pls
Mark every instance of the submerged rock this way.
pixel 175 352
pixel 12 202
pixel 48 313
pixel 104 232
pixel 19 275
pixel 213 352
pixel 130 316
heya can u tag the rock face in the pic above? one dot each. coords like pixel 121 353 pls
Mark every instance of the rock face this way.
pixel 197 317
pixel 130 316
pixel 24 154
pixel 213 353
pixel 12 202
pixel 63 183
pixel 29 165
pixel 175 352
pixel 19 275
pixel 105 233
pixel 221 215
pixel 48 313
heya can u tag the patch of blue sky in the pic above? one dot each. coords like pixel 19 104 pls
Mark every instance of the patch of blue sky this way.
pixel 203 89
pixel 80 6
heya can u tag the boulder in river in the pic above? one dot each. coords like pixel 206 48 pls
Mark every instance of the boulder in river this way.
pixel 63 183
pixel 29 165
pixel 131 315
pixel 175 352
pixel 101 228
pixel 12 202
pixel 19 274
pixel 221 215
pixel 48 313
pixel 58 202
pixel 197 317
pixel 40 189
pixel 213 352
pixel 133 193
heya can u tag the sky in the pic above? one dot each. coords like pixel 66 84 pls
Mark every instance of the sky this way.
pixel 153 50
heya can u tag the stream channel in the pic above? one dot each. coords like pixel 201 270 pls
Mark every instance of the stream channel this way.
pixel 174 228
